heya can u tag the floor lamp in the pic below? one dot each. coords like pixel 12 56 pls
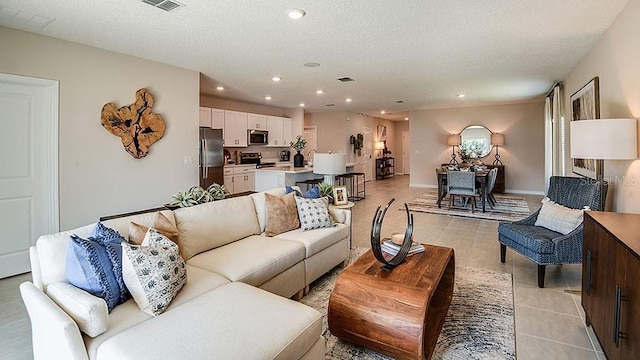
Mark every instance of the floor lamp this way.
pixel 604 139
pixel 329 165
pixel 453 141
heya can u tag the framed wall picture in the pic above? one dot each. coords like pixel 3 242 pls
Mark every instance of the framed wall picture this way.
pixel 585 105
pixel 340 195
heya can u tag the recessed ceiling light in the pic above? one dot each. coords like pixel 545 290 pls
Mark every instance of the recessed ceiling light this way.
pixel 301 104
pixel 220 88
pixel 297 14
pixel 348 100
pixel 406 118
pixel 383 112
pixel 319 91
pixel 311 64
pixel 276 78
pixel 267 97
pixel 460 95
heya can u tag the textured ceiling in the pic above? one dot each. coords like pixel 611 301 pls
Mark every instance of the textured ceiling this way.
pixel 422 52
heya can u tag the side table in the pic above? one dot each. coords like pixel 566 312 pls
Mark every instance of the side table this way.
pixel 347 206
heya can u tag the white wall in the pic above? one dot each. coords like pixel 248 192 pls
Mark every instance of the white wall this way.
pixel 615 61
pixel 523 154
pixel 97 176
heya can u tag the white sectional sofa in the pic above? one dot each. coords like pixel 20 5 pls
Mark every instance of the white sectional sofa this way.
pixel 229 307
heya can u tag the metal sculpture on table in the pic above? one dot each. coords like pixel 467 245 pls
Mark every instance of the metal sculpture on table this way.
pixel 376 228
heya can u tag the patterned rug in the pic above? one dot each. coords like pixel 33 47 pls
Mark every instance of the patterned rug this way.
pixel 479 324
pixel 507 207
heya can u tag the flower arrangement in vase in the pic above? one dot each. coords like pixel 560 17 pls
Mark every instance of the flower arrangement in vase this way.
pixel 298 145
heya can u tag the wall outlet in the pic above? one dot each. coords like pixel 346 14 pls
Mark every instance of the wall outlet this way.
pixel 188 160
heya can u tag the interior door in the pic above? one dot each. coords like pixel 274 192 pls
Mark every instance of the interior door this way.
pixel 406 153
pixel 367 150
pixel 28 167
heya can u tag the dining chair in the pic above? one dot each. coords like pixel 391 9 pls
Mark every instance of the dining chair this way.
pixel 462 184
pixel 491 183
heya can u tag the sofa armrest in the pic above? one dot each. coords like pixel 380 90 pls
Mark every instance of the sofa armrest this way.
pixel 36 270
pixel 88 311
pixel 341 216
pixel 55 335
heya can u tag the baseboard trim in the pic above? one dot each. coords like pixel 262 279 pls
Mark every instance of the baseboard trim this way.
pixel 524 192
pixel 423 186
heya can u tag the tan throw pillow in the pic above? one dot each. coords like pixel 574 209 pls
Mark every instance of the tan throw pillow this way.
pixel 164 226
pixel 282 214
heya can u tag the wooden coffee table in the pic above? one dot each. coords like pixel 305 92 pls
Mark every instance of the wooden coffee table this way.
pixel 399 312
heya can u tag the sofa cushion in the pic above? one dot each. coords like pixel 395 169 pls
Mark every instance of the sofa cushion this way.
pixel 282 214
pixel 317 240
pixel 137 232
pixel 252 260
pixel 213 224
pixel 128 315
pixel 95 265
pixel 558 218
pixel 235 321
pixel 313 213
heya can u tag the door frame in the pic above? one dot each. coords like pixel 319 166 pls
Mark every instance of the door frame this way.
pixel 51 124
pixel 406 158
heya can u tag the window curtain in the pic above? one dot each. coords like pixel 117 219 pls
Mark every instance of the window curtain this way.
pixel 555 134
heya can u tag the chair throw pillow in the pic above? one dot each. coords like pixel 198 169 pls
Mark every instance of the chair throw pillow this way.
pixel 137 232
pixel 154 272
pixel 313 213
pixel 558 218
pixel 95 265
pixel 282 214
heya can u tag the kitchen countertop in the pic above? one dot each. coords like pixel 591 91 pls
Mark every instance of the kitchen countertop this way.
pixel 290 169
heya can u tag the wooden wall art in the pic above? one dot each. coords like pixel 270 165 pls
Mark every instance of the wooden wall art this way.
pixel 135 124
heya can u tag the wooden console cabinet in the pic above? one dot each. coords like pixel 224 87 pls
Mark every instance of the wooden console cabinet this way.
pixel 610 281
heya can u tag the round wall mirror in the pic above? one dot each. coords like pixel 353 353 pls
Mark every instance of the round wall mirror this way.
pixel 476 139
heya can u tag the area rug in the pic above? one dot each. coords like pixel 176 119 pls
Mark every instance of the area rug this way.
pixel 479 324
pixel 507 207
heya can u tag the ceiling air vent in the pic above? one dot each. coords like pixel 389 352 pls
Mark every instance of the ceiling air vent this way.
pixel 330 105
pixel 166 5
pixel 345 79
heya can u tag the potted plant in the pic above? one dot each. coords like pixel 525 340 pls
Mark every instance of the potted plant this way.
pixel 298 145
pixel 197 195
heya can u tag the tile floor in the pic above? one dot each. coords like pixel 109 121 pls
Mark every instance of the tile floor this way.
pixel 549 322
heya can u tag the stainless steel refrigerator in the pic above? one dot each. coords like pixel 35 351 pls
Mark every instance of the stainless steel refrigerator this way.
pixel 211 157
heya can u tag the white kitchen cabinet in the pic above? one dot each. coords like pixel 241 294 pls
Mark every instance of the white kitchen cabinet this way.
pixel 235 128
pixel 274 126
pixel 211 118
pixel 205 117
pixel 257 121
pixel 287 131
pixel 240 178
pixel 217 119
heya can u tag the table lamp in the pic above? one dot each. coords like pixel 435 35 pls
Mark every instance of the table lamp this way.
pixel 497 140
pixel 329 165
pixel 380 146
pixel 604 139
pixel 453 140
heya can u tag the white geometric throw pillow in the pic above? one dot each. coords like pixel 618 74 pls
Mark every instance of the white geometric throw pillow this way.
pixel 154 272
pixel 313 213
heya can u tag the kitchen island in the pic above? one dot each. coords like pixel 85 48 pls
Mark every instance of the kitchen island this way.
pixel 280 176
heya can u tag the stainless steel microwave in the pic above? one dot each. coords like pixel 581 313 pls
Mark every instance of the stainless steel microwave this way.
pixel 257 137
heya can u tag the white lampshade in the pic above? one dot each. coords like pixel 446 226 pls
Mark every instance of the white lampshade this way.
pixel 604 139
pixel 453 140
pixel 379 145
pixel 329 165
pixel 497 139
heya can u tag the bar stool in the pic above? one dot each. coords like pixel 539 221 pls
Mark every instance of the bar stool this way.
pixel 346 180
pixel 309 182
pixel 359 194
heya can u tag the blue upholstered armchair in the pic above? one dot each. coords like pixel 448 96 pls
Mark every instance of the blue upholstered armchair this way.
pixel 544 246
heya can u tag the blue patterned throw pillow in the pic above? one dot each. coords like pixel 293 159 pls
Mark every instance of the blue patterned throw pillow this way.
pixel 95 265
pixel 313 193
pixel 288 189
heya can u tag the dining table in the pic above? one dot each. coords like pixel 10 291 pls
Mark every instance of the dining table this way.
pixel 481 180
